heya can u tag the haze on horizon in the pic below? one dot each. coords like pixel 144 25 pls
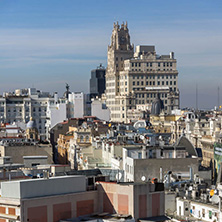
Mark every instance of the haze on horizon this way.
pixel 45 44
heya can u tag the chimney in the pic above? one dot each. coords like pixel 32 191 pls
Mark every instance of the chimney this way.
pixel 144 152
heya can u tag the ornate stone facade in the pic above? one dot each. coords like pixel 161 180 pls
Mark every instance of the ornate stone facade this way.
pixel 137 78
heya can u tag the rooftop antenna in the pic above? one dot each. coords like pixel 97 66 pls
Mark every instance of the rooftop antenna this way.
pixel 218 97
pixel 196 97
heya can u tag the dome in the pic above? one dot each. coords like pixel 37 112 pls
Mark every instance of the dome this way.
pixel 157 106
pixel 31 124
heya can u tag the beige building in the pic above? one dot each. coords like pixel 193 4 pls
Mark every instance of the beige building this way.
pixel 134 78
pixel 18 151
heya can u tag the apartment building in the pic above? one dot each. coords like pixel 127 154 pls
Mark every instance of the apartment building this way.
pixel 23 104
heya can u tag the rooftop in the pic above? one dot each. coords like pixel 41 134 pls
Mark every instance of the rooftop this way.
pixel 32 188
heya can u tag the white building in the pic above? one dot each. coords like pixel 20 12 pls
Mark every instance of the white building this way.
pixel 100 110
pixel 56 113
pixel 138 77
pixel 197 209
pixel 23 104
pixel 45 109
pixel 79 105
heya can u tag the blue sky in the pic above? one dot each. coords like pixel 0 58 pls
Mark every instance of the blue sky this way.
pixel 46 43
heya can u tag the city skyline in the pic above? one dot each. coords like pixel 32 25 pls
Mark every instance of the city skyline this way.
pixel 48 43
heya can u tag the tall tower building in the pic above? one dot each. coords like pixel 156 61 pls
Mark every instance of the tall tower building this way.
pixel 97 81
pixel 119 50
pixel 137 78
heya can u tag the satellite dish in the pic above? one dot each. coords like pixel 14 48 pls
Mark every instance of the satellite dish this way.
pixel 142 137
pixel 143 178
pixel 215 199
pixel 190 188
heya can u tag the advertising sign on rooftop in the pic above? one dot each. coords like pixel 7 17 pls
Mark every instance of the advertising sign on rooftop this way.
pixel 217 155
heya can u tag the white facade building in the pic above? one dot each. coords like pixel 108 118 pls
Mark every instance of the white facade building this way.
pixel 56 113
pixel 79 105
pixel 195 209
pixel 136 78
pixel 23 104
pixel 100 110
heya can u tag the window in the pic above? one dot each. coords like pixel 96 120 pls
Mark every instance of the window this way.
pixel 158 83
pixel 142 83
pixel 138 83
pixel 133 83
pixel 158 64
